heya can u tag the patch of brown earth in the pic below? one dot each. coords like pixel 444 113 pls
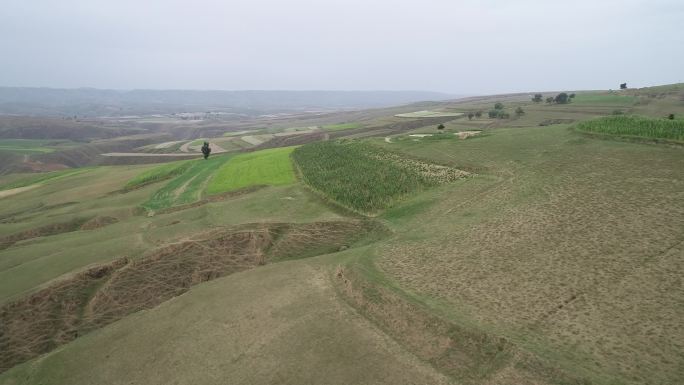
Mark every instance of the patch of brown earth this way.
pixel 434 172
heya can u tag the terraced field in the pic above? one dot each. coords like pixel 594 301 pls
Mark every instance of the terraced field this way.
pixel 33 146
pixel 531 253
pixel 188 186
pixel 267 167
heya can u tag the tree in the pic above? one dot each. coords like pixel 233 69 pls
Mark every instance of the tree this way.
pixel 671 116
pixel 572 96
pixel 440 127
pixel 206 150
pixel 478 114
pixel 470 115
pixel 623 86
pixel 498 106
pixel 519 111
pixel 562 98
pixel 493 113
pixel 550 99
pixel 537 98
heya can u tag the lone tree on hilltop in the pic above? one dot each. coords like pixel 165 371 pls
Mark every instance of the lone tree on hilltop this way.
pixel 623 86
pixel 519 111
pixel 562 98
pixel 440 127
pixel 470 115
pixel 537 98
pixel 498 106
pixel 478 114
pixel 206 150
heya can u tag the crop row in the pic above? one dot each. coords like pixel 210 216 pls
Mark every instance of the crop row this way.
pixel 636 126
pixel 157 174
pixel 358 175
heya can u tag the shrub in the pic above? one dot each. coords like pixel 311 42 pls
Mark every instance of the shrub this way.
pixel 561 98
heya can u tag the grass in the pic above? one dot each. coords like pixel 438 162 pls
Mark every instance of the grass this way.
pixel 564 246
pixel 32 146
pixel 290 307
pixel 157 174
pixel 43 177
pixel 565 258
pixel 341 126
pixel 197 142
pixel 602 98
pixel 359 176
pixel 266 167
pixel 186 187
pixel 636 126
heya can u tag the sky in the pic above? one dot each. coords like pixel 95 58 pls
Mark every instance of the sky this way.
pixel 453 46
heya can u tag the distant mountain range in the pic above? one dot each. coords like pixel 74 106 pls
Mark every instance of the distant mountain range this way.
pixel 100 102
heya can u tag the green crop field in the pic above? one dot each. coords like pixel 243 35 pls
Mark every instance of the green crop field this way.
pixel 341 126
pixel 158 174
pixel 33 146
pixel 266 167
pixel 601 98
pixel 361 177
pixel 636 126
pixel 188 186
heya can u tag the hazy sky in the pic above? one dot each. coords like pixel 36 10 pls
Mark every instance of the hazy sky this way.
pixel 453 46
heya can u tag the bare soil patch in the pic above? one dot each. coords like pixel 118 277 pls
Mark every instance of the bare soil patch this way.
pixel 467 134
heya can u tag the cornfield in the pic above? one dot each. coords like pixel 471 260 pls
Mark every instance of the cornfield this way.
pixel 636 126
pixel 365 178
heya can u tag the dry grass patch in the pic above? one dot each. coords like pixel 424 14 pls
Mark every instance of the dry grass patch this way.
pixel 106 293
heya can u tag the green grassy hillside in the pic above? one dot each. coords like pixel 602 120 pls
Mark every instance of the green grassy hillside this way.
pixel 531 253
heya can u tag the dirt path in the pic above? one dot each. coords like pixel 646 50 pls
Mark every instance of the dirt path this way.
pixel 216 149
pixel 10 192
pixel 186 147
pixel 167 144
